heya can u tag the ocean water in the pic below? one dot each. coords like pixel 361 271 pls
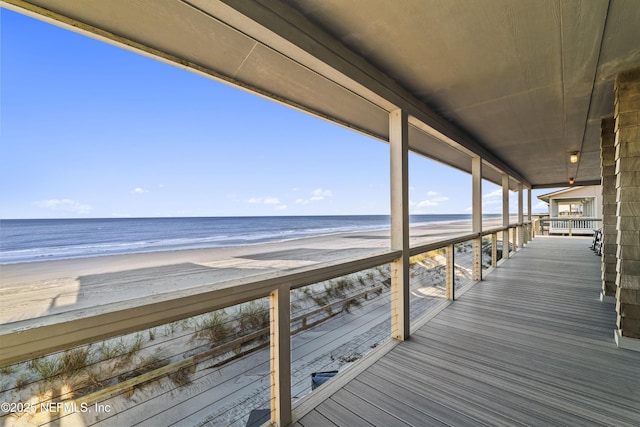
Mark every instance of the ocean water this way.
pixel 35 240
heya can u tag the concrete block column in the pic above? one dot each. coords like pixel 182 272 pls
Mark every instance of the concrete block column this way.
pixel 609 207
pixel 627 169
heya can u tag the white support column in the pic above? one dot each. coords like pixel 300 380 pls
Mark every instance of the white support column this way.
pixel 520 215
pixel 476 221
pixel 505 216
pixel 280 347
pixel 399 145
pixel 530 226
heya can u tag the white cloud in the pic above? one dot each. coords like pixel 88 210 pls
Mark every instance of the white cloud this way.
pixel 138 190
pixel 426 203
pixel 317 194
pixel 264 200
pixel 64 205
pixel 281 207
pixel 540 207
pixel 434 201
pixel 493 194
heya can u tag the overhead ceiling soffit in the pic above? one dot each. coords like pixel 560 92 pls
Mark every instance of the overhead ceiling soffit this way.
pixel 291 25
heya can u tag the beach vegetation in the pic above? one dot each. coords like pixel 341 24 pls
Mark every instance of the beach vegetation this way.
pixel 108 350
pixel 152 334
pixel 7 370
pixel 181 377
pixel 187 324
pixel 253 316
pixel 340 288
pixel 75 360
pixel 136 344
pixel 46 367
pixel 370 275
pixel 351 303
pixel 120 347
pixel 213 327
pixel 170 328
pixel 321 299
pixel 332 291
pixel 146 364
pixel 88 383
pixel 22 381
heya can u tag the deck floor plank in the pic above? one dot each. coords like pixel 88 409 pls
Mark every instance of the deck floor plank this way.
pixel 413 412
pixel 530 345
pixel 314 419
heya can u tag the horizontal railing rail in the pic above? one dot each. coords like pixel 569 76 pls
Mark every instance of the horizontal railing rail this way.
pixel 570 224
pixel 28 339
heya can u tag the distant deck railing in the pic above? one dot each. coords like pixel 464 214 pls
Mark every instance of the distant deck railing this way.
pixel 29 339
pixel 570 225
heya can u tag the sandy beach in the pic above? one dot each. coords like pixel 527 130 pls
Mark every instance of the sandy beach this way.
pixel 32 290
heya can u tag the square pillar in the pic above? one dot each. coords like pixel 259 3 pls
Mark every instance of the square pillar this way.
pixel 609 220
pixel 476 217
pixel 505 216
pixel 520 229
pixel 399 171
pixel 627 169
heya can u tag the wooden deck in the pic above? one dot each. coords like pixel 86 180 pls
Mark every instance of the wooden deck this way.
pixel 530 345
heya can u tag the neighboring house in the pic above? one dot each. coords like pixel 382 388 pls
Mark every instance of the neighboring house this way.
pixel 575 203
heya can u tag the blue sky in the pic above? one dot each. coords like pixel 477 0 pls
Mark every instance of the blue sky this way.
pixel 92 130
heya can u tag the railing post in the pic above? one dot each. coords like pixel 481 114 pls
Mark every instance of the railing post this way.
pixel 451 274
pixel 399 175
pixel 494 250
pixel 570 226
pixel 533 229
pixel 280 346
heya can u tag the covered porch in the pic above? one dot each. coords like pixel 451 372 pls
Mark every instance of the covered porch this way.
pixel 530 345
pixel 510 100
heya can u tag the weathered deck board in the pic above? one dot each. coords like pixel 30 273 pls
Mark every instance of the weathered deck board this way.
pixel 530 345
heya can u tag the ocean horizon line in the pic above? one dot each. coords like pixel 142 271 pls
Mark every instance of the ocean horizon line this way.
pixel 116 217
pixel 33 240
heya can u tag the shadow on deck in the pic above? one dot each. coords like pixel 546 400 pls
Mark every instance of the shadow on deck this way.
pixel 530 345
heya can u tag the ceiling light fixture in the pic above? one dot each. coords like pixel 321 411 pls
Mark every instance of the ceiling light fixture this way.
pixel 571 181
pixel 573 157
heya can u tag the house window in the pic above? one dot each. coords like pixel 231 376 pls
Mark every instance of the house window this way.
pixel 570 209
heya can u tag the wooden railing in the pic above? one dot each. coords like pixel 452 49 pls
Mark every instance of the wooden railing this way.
pixel 570 225
pixel 29 339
